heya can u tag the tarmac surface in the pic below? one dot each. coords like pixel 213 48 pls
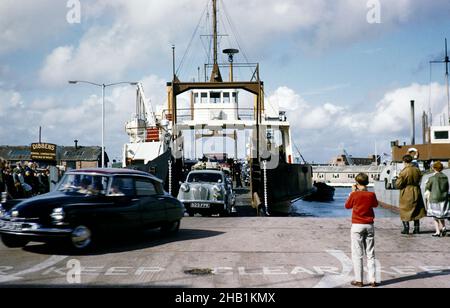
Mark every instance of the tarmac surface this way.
pixel 245 252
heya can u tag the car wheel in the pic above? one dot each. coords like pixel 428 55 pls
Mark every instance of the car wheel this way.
pixel 12 241
pixel 81 238
pixel 171 227
pixel 226 212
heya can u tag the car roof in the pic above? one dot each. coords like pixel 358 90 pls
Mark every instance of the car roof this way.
pixel 207 171
pixel 115 171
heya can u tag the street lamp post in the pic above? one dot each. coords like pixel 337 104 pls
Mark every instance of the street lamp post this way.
pixel 103 86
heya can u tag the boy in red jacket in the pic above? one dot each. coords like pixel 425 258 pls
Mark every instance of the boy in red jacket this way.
pixel 363 232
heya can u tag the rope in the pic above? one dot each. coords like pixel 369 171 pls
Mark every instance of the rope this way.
pixel 235 31
pixel 170 177
pixel 192 39
pixel 266 198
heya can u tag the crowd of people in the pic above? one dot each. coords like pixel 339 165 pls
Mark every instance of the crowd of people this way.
pixel 23 180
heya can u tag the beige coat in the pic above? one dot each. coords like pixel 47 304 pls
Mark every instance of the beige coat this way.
pixel 412 207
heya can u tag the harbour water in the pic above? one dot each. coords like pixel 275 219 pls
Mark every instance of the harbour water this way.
pixel 334 209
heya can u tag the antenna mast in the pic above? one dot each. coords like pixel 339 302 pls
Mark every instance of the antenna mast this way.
pixel 215 75
pixel 446 61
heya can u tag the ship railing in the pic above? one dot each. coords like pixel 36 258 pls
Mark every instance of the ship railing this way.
pixel 187 114
pixel 253 71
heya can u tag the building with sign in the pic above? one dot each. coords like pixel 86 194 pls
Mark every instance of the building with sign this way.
pixel 69 157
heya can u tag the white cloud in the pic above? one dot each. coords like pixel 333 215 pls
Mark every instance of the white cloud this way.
pixel 325 129
pixel 302 114
pixel 28 22
pixel 142 31
pixel 64 121
pixel 392 113
pixel 9 102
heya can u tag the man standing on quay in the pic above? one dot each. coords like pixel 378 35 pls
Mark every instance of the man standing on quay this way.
pixel 412 207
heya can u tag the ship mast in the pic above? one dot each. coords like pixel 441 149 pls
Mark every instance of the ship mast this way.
pixel 446 61
pixel 215 74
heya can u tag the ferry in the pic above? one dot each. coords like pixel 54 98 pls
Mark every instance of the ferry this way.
pixel 165 142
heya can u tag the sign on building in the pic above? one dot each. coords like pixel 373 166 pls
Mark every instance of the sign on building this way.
pixel 45 152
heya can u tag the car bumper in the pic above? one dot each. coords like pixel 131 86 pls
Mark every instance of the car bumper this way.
pixel 204 206
pixel 34 231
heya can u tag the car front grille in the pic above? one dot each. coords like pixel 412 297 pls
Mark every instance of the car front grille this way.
pixel 200 193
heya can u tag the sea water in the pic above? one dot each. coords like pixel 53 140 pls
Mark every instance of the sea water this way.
pixel 333 209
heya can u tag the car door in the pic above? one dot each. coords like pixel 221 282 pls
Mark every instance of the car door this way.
pixel 152 204
pixel 125 214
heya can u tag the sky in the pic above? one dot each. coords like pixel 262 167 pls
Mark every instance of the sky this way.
pixel 344 70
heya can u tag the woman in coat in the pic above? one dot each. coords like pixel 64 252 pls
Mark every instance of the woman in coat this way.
pixel 437 189
pixel 412 207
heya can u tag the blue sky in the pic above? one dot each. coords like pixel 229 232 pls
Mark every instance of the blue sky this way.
pixel 345 83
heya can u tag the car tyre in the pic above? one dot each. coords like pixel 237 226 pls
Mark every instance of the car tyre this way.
pixel 171 228
pixel 12 241
pixel 81 238
pixel 226 213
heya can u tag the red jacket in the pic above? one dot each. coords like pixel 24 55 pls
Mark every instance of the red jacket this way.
pixel 362 203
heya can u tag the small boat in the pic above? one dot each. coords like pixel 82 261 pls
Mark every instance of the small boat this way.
pixel 321 193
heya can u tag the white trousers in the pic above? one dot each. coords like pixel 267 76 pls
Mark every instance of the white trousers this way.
pixel 363 241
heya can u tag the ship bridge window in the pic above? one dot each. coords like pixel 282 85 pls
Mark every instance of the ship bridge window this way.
pixel 442 135
pixel 204 98
pixel 214 98
pixel 235 97
pixel 226 98
pixel 196 98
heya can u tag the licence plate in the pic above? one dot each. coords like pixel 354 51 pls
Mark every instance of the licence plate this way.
pixel 10 226
pixel 200 206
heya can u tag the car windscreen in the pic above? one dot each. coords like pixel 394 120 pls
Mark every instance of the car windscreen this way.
pixel 205 178
pixel 84 184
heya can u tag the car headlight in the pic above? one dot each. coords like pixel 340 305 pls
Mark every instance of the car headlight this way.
pixel 58 215
pixel 185 188
pixel 217 192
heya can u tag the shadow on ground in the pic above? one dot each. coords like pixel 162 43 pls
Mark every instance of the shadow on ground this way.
pixel 133 242
pixel 418 276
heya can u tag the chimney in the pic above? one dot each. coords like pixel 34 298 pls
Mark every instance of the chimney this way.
pixel 413 123
pixel 76 144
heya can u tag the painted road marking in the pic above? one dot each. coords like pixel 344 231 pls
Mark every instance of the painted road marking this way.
pixel 334 281
pixel 37 268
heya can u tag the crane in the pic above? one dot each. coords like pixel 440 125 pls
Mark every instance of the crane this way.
pixel 349 158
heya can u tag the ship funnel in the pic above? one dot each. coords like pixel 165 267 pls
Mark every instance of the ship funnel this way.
pixel 413 122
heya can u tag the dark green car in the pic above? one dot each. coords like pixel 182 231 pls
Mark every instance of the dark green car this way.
pixel 88 204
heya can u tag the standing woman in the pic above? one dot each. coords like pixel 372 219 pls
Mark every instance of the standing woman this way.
pixel 412 207
pixel 437 189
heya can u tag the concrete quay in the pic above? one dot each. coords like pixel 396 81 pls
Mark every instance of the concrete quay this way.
pixel 247 252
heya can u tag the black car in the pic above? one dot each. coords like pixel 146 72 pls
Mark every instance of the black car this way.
pixel 89 203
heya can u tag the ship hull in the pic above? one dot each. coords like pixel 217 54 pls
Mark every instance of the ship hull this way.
pixel 390 198
pixel 286 183
pixel 387 198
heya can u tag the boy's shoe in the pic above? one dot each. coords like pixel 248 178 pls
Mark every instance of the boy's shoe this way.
pixel 357 284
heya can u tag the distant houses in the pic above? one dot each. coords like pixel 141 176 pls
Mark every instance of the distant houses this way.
pixel 342 171
pixel 68 157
